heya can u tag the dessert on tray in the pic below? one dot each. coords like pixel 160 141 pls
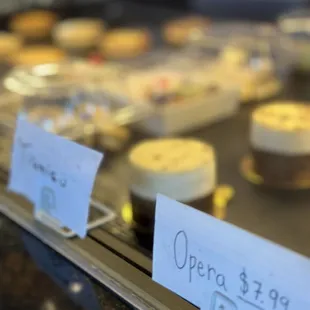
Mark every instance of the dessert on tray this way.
pixel 181 100
pixel 182 169
pixel 280 144
pixel 168 87
pixel 178 100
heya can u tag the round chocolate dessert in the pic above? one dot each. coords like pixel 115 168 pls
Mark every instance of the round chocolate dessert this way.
pixel 280 143
pixel 181 169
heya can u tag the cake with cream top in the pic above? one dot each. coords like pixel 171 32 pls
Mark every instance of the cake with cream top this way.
pixel 182 169
pixel 280 142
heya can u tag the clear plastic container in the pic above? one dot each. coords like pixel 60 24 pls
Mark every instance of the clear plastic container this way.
pixel 70 91
pixel 74 98
pixel 296 25
pixel 252 56
pixel 46 95
pixel 260 40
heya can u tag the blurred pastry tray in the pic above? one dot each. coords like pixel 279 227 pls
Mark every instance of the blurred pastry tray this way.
pixel 202 108
pixel 173 119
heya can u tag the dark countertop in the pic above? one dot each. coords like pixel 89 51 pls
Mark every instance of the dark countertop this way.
pixel 33 276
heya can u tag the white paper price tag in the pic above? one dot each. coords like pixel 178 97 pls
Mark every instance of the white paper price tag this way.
pixel 218 266
pixel 56 174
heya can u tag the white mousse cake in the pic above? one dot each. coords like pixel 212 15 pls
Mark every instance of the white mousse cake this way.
pixel 182 169
pixel 280 142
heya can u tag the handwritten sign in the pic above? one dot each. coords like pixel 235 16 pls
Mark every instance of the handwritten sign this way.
pixel 217 266
pixel 56 174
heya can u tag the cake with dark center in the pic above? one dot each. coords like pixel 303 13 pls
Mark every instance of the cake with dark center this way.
pixel 280 143
pixel 181 169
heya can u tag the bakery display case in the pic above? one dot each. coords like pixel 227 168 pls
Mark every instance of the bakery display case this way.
pixel 209 112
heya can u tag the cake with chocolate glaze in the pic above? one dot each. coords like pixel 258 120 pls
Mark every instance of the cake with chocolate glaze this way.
pixel 280 143
pixel 181 169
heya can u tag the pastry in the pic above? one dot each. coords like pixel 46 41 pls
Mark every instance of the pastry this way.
pixel 125 43
pixel 168 86
pixel 9 44
pixel 178 32
pixel 78 33
pixel 38 54
pixel 33 24
pixel 182 169
pixel 280 143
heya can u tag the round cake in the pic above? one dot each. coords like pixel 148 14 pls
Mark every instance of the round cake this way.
pixel 280 143
pixel 178 32
pixel 78 33
pixel 182 169
pixel 36 24
pixel 125 43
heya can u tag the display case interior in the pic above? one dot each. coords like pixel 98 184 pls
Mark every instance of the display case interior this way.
pixel 113 85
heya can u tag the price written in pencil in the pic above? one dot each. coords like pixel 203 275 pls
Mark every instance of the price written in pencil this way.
pixel 254 293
